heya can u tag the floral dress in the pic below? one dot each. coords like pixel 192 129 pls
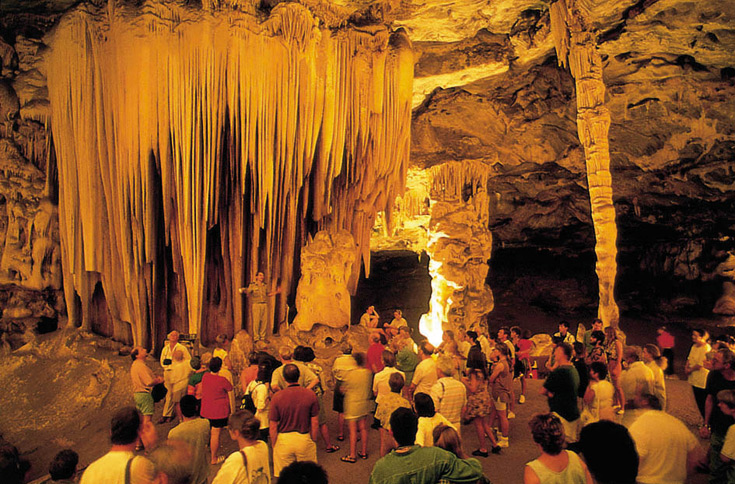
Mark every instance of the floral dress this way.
pixel 479 403
pixel 598 354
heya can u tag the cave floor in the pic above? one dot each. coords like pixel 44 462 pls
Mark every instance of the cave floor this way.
pixel 61 390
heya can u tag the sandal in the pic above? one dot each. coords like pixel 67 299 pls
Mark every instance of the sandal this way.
pixel 362 456
pixel 349 459
pixel 331 449
pixel 220 459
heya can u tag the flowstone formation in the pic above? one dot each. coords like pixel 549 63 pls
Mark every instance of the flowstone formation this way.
pixel 213 148
pixel 459 248
pixel 323 297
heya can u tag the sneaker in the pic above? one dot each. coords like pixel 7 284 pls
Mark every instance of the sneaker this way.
pixel 480 453
pixel 503 442
pixel 511 415
pixel 522 399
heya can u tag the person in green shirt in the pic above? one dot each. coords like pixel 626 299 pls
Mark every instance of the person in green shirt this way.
pixel 413 464
pixel 561 389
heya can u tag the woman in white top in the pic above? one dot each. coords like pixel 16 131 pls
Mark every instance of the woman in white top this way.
pixel 694 368
pixel 429 419
pixel 260 391
pixel 652 359
pixel 555 465
pixel 598 399
pixel 249 465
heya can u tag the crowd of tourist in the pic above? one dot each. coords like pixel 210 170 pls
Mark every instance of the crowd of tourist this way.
pixel 419 397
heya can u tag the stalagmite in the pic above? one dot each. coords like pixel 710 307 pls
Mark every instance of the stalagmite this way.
pixel 195 146
pixel 460 245
pixel 323 302
pixel 576 47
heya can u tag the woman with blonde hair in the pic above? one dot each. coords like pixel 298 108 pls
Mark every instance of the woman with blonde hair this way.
pixel 555 465
pixel 614 353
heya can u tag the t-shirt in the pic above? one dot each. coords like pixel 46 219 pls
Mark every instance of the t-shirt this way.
pixel 524 348
pixel 584 376
pixel 292 408
pixel 195 433
pixel 260 393
pixel 697 356
pixel 306 376
pixel 424 465
pixel 563 383
pixel 342 365
pixel 728 448
pixel 425 376
pixel 398 323
pixel 425 432
pixel 110 469
pixel 215 396
pixel 663 443
pixel 636 380
pixel 380 382
pixel 233 470
pixel 719 422
pixel 659 383
pixel 449 397
pixel 374 360
pixel 142 377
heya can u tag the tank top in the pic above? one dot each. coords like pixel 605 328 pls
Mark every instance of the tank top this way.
pixel 504 382
pixel 572 474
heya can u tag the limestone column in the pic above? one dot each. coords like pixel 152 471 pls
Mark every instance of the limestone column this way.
pixel 576 47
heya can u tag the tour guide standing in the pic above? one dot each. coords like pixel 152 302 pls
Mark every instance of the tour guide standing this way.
pixel 167 357
pixel 294 422
pixel 259 313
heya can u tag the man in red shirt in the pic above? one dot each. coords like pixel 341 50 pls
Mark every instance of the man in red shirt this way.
pixel 375 353
pixel 294 422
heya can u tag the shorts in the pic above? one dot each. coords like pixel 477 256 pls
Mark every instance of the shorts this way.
pixel 338 403
pixel 520 368
pixel 144 402
pixel 218 423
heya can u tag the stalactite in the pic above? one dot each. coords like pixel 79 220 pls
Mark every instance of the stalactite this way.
pixel 576 47
pixel 238 121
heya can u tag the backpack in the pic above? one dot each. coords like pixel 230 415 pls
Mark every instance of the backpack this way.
pixel 247 401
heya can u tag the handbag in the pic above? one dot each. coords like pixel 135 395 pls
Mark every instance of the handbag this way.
pixel 158 392
pixel 247 400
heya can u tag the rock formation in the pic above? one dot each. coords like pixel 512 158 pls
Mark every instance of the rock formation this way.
pixel 488 91
pixel 460 245
pixel 188 147
pixel 576 47
pixel 323 296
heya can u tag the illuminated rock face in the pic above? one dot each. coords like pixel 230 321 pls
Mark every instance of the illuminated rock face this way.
pixel 459 248
pixel 213 160
pixel 322 297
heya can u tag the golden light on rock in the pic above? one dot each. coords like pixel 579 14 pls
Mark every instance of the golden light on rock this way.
pixel 171 125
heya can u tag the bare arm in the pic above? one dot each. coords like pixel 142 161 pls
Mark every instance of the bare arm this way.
pixel 273 431
pixel 529 476
pixel 314 427
pixel 697 457
pixel 589 395
pixel 708 404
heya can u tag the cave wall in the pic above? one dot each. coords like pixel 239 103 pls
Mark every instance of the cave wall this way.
pixel 487 89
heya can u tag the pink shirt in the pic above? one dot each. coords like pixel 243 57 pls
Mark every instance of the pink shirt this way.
pixel 215 399
pixel 374 360
pixel 665 340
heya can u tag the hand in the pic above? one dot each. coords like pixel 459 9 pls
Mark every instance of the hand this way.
pixel 704 432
